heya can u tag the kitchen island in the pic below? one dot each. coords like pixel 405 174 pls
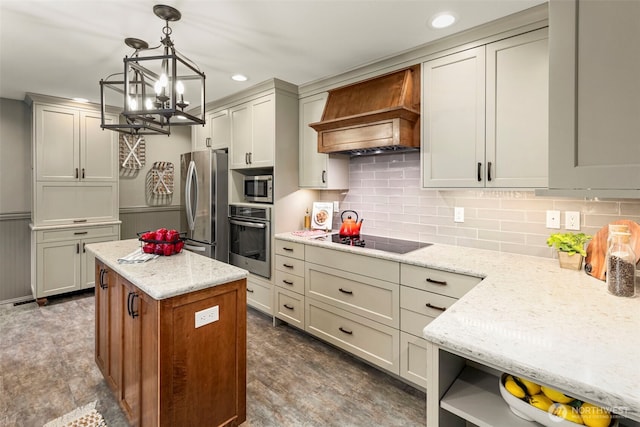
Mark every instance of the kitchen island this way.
pixel 171 336
pixel 527 317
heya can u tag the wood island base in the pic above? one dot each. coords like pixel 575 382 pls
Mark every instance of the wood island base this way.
pixel 163 368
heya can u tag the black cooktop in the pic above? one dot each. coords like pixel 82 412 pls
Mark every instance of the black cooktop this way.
pixel 380 243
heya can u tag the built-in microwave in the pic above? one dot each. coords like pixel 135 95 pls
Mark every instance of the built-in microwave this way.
pixel 258 188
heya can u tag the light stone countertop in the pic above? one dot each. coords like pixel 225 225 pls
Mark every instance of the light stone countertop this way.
pixel 530 317
pixel 166 277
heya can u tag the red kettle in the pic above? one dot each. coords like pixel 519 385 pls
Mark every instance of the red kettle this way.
pixel 350 227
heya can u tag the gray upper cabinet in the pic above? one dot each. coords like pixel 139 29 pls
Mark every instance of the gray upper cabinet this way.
pixel 485 115
pixel 594 146
pixel 318 170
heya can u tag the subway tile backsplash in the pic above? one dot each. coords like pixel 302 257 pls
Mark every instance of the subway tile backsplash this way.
pixel 385 191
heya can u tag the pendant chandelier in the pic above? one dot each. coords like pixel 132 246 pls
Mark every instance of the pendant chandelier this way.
pixel 158 89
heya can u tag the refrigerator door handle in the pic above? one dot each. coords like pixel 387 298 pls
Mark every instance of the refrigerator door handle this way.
pixel 191 205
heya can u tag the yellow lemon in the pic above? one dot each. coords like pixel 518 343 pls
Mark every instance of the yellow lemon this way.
pixel 594 416
pixel 540 401
pixel 532 388
pixel 555 395
pixel 567 412
pixel 513 387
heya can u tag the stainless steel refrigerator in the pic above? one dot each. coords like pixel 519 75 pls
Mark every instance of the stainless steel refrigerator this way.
pixel 204 202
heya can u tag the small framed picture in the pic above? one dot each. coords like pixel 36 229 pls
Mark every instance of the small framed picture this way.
pixel 322 216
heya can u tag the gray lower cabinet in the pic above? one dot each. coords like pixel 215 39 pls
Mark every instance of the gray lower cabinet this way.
pixel 594 100
pixel 425 293
pixel 371 307
pixel 59 261
pixel 289 298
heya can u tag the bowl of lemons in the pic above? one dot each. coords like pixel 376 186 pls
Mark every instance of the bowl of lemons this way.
pixel 550 407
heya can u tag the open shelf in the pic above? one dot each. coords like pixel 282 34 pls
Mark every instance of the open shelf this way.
pixel 475 397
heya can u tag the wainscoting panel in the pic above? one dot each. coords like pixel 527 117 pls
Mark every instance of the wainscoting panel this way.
pixel 15 256
pixel 135 220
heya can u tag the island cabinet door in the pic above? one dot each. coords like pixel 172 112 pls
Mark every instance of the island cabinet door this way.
pixel 108 324
pixel 139 351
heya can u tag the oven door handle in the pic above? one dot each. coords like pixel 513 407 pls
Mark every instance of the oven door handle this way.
pixel 248 224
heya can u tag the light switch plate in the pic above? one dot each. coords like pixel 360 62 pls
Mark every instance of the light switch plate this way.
pixel 206 316
pixel 336 206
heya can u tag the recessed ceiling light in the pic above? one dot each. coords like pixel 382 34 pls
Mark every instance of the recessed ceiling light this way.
pixel 239 78
pixel 442 20
pixel 81 99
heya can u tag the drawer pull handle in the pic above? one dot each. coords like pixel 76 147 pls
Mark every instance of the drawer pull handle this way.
pixel 287 282
pixel 437 282
pixel 76 173
pixel 435 307
pixel 345 331
pixel 345 291
pixel 78 233
pixel 287 265
pixel 287 306
pixel 79 220
pixel 250 290
pixel 288 249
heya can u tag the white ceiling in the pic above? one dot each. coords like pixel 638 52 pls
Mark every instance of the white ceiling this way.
pixel 64 47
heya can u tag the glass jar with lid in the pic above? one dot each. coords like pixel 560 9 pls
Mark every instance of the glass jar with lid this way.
pixel 621 265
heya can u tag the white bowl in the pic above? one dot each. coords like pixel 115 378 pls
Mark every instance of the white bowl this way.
pixel 531 413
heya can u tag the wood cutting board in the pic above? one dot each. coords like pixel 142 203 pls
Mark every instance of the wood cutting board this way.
pixel 596 259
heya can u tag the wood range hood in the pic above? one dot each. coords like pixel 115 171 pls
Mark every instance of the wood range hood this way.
pixel 377 115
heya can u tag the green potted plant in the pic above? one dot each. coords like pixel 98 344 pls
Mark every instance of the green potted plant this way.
pixel 570 247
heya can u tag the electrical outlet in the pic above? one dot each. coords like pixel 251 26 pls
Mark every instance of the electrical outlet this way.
pixel 336 206
pixel 572 220
pixel 458 214
pixel 206 316
pixel 553 219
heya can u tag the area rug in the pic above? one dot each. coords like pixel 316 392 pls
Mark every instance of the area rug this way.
pixel 86 416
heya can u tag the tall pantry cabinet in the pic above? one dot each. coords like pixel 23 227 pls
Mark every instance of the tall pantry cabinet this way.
pixel 75 193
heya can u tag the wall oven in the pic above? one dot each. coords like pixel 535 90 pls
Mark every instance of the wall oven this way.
pixel 250 238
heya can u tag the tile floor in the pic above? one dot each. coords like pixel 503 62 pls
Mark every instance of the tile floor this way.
pixel 47 369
